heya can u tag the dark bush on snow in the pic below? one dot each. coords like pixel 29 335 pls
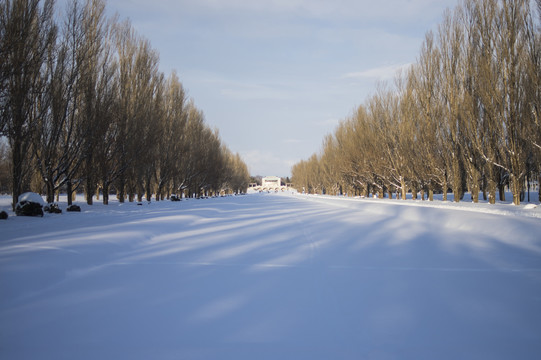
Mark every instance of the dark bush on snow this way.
pixel 175 198
pixel 3 215
pixel 74 208
pixel 28 208
pixel 52 209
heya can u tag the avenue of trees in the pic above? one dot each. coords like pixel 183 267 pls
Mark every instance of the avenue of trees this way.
pixel 465 117
pixel 83 105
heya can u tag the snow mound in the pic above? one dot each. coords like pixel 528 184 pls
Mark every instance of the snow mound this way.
pixel 32 197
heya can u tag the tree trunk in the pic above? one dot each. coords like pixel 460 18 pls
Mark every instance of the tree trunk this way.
pixel 404 190
pixel 50 191
pixel 121 191
pixel 501 189
pixel 140 192
pixel 159 191
pixel 445 187
pixel 89 194
pixel 90 186
pixel 484 187
pixel 69 190
pixel 539 187
pixel 17 172
pixel 89 189
pixel 516 188
pixel 366 192
pixel 105 193
pixel 474 185
pixel 491 187
pixel 457 180
pixel 148 191
pixel 528 184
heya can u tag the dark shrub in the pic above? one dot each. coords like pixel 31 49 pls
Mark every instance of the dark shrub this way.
pixel 28 208
pixel 3 215
pixel 52 209
pixel 73 208
pixel 175 198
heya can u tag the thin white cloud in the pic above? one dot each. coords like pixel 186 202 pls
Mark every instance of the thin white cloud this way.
pixel 291 141
pixel 249 91
pixel 387 72
pixel 395 10
pixel 239 89
pixel 329 122
pixel 267 163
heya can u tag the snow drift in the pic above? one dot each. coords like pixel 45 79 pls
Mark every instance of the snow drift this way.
pixel 267 277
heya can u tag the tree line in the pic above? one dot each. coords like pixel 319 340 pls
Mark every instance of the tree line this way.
pixel 464 117
pixel 85 106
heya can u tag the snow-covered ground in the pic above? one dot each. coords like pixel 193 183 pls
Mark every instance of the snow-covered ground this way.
pixel 269 276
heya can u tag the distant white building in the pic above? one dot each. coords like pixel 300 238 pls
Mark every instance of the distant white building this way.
pixel 271 183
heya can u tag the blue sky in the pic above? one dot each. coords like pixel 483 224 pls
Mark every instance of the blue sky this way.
pixel 276 76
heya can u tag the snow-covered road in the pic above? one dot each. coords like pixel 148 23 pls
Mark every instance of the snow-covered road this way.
pixel 271 277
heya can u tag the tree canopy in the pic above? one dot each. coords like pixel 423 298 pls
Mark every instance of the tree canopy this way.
pixel 464 117
pixel 85 106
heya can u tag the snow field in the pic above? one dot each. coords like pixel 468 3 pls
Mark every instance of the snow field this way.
pixel 272 277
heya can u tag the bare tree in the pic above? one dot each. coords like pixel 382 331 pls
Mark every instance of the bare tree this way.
pixel 49 121
pixel 172 145
pixel 59 137
pixel 107 131
pixel 92 62
pixel 425 79
pixel 466 116
pixel 534 101
pixel 125 44
pixel 27 31
pixel 330 166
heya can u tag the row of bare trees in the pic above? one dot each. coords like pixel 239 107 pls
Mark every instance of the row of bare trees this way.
pixel 465 116
pixel 84 105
